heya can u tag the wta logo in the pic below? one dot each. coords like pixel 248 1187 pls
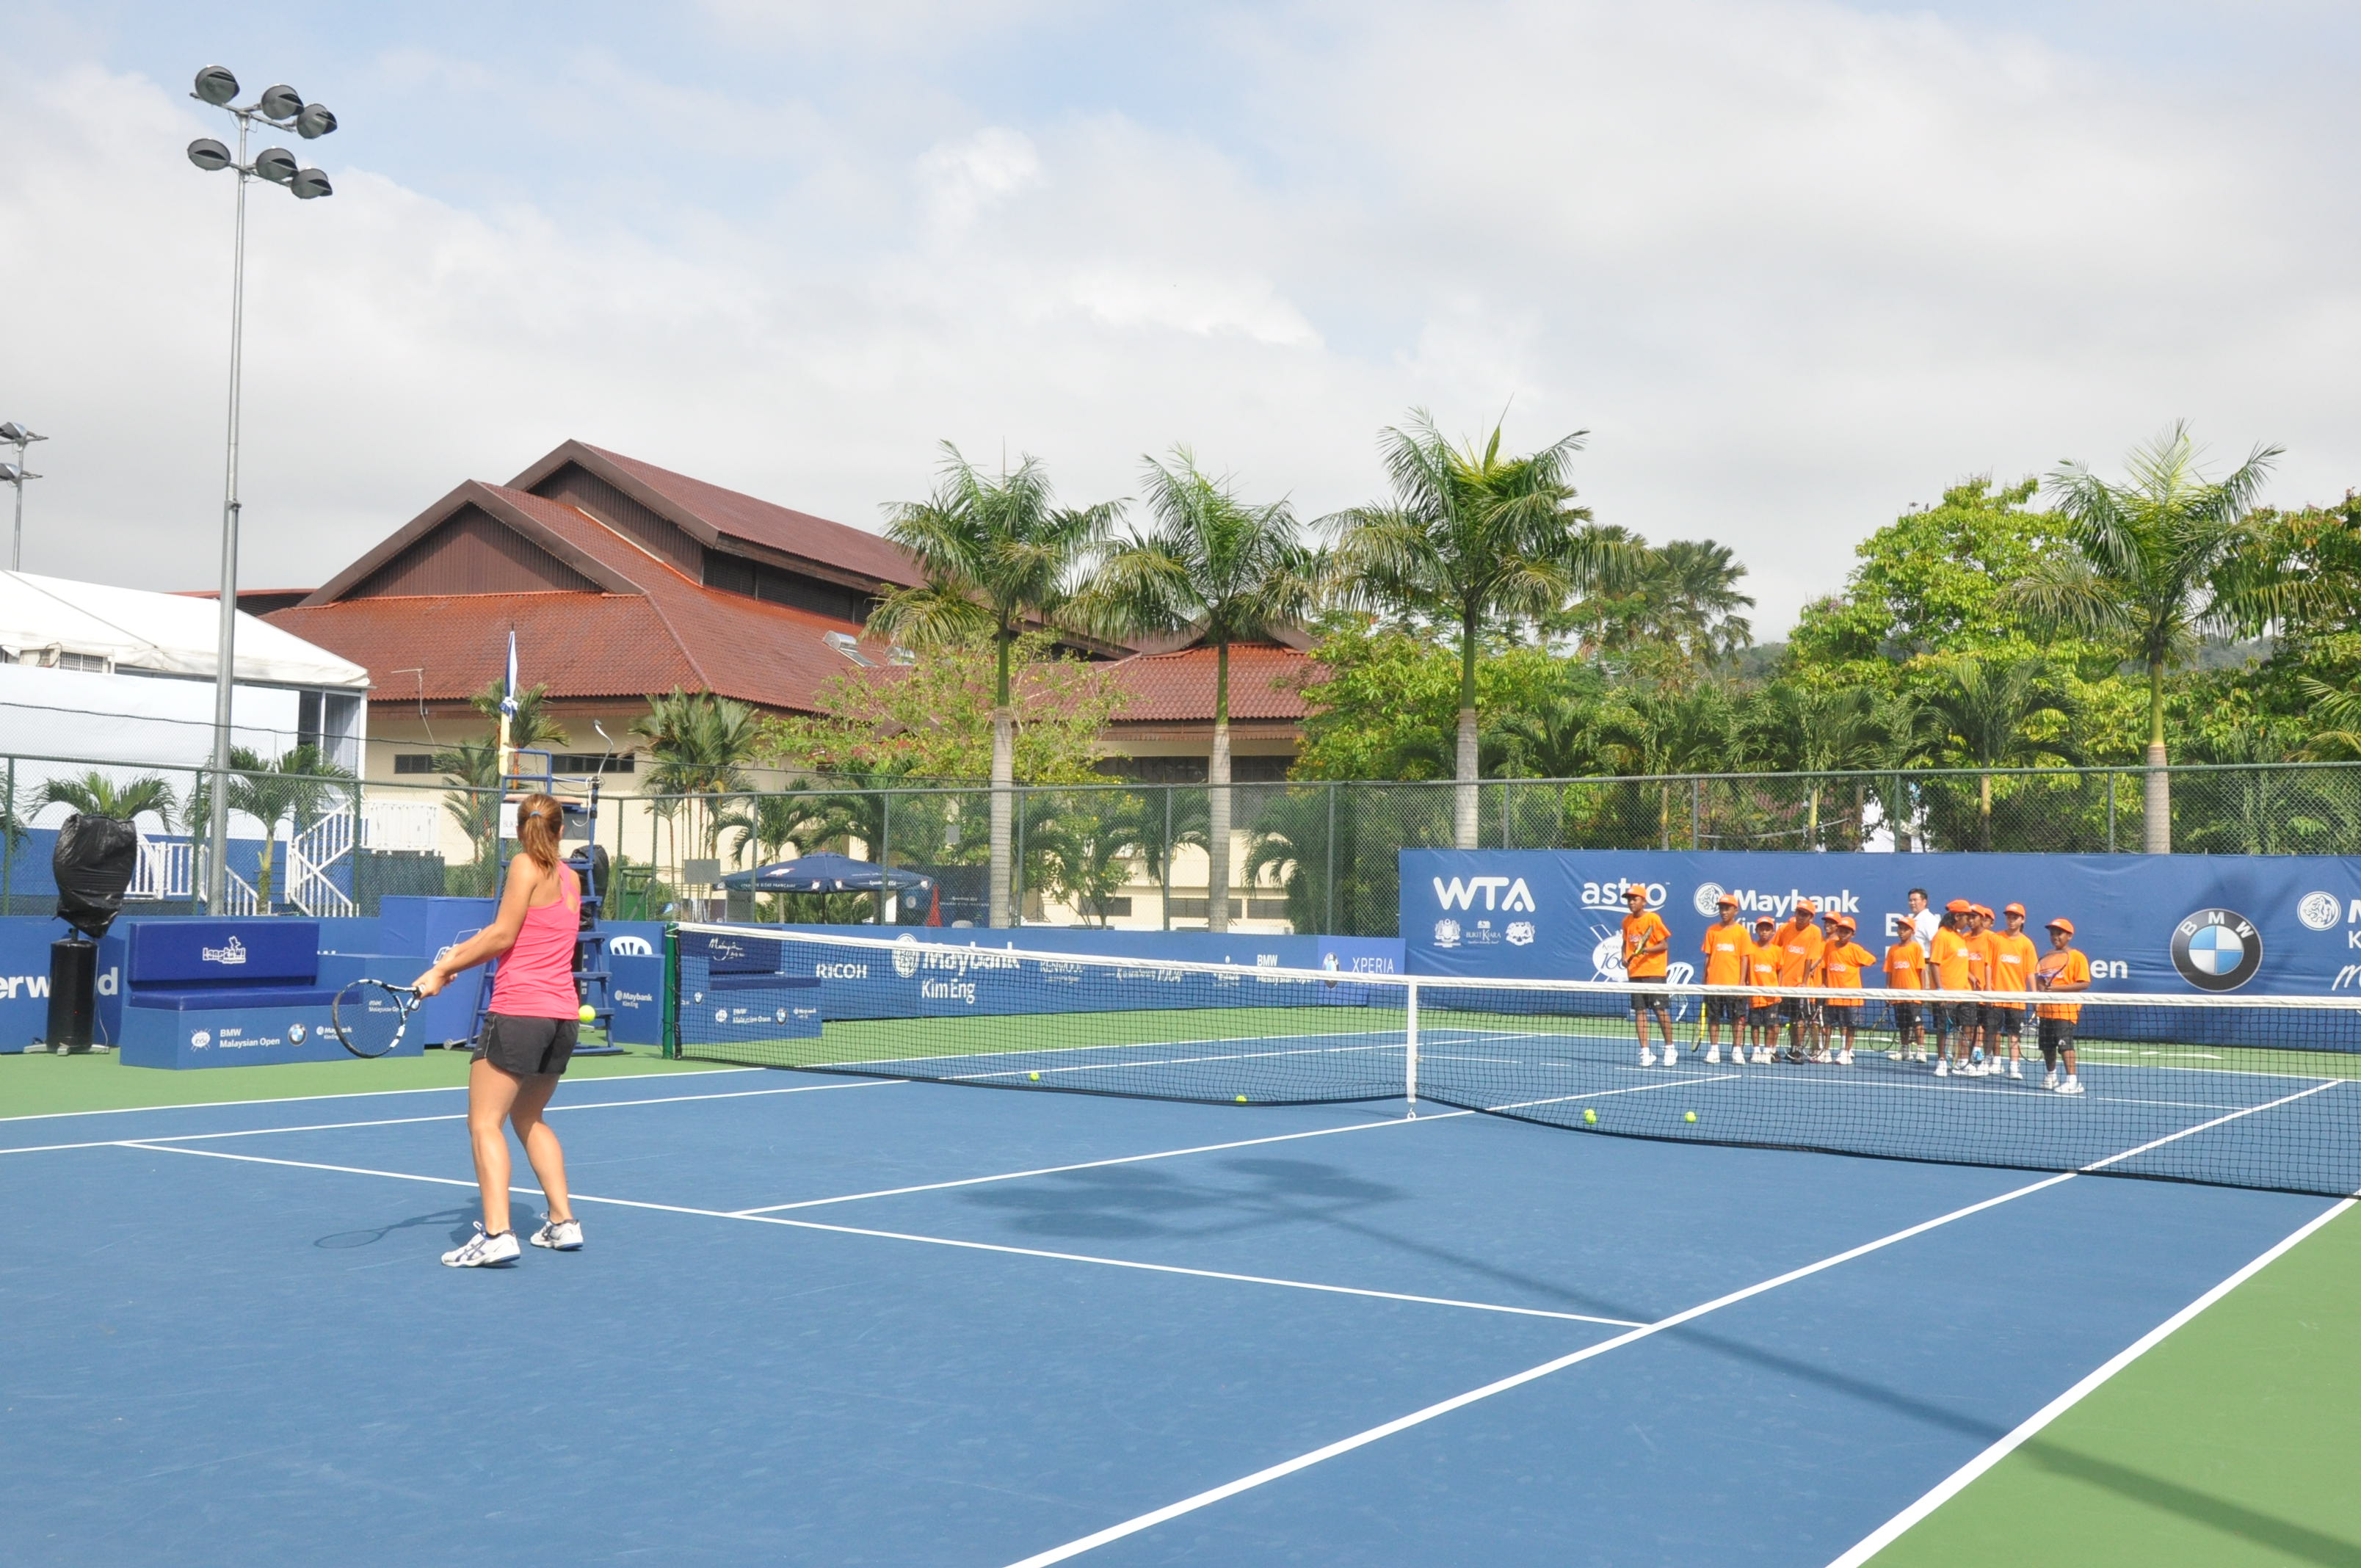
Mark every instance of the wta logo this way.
pixel 1499 892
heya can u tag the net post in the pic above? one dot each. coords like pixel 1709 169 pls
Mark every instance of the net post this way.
pixel 671 990
pixel 1410 1044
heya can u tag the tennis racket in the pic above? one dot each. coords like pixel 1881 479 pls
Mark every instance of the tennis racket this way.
pixel 369 1015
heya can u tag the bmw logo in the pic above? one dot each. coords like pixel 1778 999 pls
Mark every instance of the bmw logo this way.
pixel 2217 949
pixel 295 1033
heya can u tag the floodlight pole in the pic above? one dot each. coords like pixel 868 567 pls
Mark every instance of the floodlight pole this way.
pixel 16 435
pixel 226 644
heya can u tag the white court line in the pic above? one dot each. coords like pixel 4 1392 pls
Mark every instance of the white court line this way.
pixel 1113 1045
pixel 1090 1165
pixel 358 1095
pixel 1951 1485
pixel 1605 1094
pixel 906 1237
pixel 450 1116
pixel 1169 1061
pixel 1515 1380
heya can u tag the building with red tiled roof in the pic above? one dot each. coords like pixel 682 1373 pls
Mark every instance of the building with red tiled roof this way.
pixel 1164 732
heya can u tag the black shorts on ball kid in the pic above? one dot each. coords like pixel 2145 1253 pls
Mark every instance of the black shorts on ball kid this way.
pixel 1651 1001
pixel 1725 1009
pixel 2006 1022
pixel 529 1048
pixel 1905 1015
pixel 1966 1015
pixel 2057 1035
pixel 1799 1009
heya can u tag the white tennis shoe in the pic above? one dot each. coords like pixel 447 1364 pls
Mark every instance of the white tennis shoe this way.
pixel 2072 1086
pixel 1670 1053
pixel 1761 1056
pixel 559 1235
pixel 483 1250
pixel 1844 1059
pixel 2016 1069
pixel 1647 1057
pixel 2050 1079
pixel 1713 1055
pixel 1942 1067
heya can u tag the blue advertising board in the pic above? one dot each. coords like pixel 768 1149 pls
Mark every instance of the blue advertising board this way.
pixel 2190 924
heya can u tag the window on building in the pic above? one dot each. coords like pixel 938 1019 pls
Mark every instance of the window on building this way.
pixel 593 762
pixel 413 761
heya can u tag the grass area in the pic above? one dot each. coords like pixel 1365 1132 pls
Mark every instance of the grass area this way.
pixel 2232 1442
pixel 34 1085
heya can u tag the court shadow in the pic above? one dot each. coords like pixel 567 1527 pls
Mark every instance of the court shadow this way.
pixel 1117 1202
pixel 453 1220
pixel 2298 1543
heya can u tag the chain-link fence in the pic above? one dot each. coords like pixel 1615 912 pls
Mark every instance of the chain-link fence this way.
pixel 1303 857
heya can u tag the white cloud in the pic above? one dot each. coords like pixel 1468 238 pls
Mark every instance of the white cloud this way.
pixel 1794 265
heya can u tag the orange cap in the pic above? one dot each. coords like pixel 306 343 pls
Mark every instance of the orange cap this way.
pixel 2062 923
pixel 1981 910
pixel 1727 902
pixel 1806 906
pixel 1639 887
pixel 1843 922
pixel 1906 920
pixel 1764 920
pixel 2013 909
pixel 1959 906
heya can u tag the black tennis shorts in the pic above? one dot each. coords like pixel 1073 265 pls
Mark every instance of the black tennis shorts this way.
pixel 1962 1014
pixel 2006 1022
pixel 1799 1009
pixel 1654 1001
pixel 529 1048
pixel 1724 1009
pixel 2057 1035
pixel 1905 1015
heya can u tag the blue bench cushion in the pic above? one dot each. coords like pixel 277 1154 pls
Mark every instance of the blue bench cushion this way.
pixel 266 952
pixel 229 998
pixel 762 982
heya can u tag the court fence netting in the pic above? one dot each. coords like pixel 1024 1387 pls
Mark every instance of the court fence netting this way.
pixel 2255 1092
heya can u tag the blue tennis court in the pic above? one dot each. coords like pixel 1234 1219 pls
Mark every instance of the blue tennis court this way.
pixel 849 1320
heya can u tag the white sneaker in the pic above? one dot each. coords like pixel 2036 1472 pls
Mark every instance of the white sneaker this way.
pixel 1942 1067
pixel 2072 1086
pixel 559 1235
pixel 2016 1069
pixel 1647 1057
pixel 1820 1056
pixel 1844 1059
pixel 1670 1053
pixel 482 1250
pixel 2049 1080
pixel 1761 1056
pixel 1713 1055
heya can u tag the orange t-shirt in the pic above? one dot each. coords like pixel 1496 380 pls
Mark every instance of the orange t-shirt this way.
pixel 1762 968
pixel 1639 930
pixel 1979 961
pixel 2013 958
pixel 2068 968
pixel 1725 948
pixel 1841 967
pixel 1799 946
pixel 1906 967
pixel 1951 960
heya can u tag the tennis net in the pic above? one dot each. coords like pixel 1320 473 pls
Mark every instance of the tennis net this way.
pixel 2260 1092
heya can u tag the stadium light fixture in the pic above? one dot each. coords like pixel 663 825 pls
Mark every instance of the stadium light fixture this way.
pixel 280 108
pixel 14 474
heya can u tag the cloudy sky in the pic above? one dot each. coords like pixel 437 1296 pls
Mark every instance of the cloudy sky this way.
pixel 1793 264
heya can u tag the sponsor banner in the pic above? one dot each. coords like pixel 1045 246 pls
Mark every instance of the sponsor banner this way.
pixel 2252 925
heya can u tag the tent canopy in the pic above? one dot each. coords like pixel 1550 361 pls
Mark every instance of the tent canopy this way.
pixel 165 634
pixel 827 873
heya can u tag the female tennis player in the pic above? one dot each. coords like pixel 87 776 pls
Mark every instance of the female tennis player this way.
pixel 528 1038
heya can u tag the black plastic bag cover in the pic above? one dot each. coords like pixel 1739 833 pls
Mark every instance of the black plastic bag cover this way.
pixel 94 859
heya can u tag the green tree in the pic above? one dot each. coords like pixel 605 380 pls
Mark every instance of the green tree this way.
pixel 93 794
pixel 1471 538
pixel 533 726
pixel 1993 715
pixel 474 803
pixel 292 790
pixel 1682 596
pixel 1382 703
pixel 1210 564
pixel 996 554
pixel 701 745
pixel 2157 561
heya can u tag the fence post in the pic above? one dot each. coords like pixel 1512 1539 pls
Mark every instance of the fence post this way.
pixel 885 850
pixel 1697 814
pixel 1410 1044
pixel 2111 811
pixel 8 847
pixel 1016 871
pixel 1166 900
pixel 1330 927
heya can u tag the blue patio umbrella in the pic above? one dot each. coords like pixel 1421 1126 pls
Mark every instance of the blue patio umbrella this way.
pixel 828 873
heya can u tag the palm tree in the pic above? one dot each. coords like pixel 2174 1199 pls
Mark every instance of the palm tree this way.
pixel 14 831
pixel 474 767
pixel 995 553
pixel 1654 733
pixel 95 794
pixel 2339 711
pixel 1683 596
pixel 701 745
pixel 1470 537
pixel 532 726
pixel 1989 716
pixel 1225 570
pixel 2157 561
pixel 294 789
pixel 1814 731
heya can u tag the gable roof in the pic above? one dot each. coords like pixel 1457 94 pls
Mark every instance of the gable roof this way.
pixel 1179 685
pixel 647 627
pixel 723 518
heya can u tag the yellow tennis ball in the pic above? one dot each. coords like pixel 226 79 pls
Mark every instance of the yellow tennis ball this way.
pixel 1242 1098
pixel 1034 1076
pixel 1589 1115
pixel 588 1013
pixel 1688 1115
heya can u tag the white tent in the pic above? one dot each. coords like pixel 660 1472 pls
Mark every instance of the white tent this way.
pixel 43 619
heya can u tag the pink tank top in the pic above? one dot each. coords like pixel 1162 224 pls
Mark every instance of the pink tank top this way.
pixel 535 979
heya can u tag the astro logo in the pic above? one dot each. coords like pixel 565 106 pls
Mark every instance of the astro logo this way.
pixel 2319 910
pixel 1609 894
pixel 631 947
pixel 1460 893
pixel 230 952
pixel 2217 949
pixel 906 955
